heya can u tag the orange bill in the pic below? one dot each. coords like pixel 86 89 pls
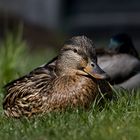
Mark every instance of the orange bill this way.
pixel 96 72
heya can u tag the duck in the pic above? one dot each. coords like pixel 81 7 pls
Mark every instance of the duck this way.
pixel 121 62
pixel 70 80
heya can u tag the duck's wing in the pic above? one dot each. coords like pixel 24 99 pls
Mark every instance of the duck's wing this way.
pixel 24 93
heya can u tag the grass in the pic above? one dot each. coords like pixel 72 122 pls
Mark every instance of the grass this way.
pixel 119 120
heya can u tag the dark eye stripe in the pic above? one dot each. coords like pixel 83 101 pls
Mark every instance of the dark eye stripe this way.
pixel 65 49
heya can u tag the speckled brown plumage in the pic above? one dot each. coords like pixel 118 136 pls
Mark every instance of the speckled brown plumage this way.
pixel 69 82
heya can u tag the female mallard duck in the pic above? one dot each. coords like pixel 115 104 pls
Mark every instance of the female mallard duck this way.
pixel 74 80
pixel 120 61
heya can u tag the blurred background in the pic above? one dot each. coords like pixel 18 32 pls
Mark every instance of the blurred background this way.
pixel 47 23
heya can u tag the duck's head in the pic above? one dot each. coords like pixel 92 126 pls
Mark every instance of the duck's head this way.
pixel 78 56
pixel 122 43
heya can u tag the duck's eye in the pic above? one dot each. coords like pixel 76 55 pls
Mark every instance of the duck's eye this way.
pixel 75 50
pixel 92 64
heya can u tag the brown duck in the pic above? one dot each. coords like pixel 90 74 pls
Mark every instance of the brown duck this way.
pixel 72 80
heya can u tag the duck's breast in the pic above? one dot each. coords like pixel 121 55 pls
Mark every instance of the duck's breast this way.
pixel 71 91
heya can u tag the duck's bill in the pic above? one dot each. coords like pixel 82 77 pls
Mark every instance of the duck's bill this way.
pixel 96 72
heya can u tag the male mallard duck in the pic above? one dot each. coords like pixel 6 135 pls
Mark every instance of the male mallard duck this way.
pixel 74 80
pixel 120 61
